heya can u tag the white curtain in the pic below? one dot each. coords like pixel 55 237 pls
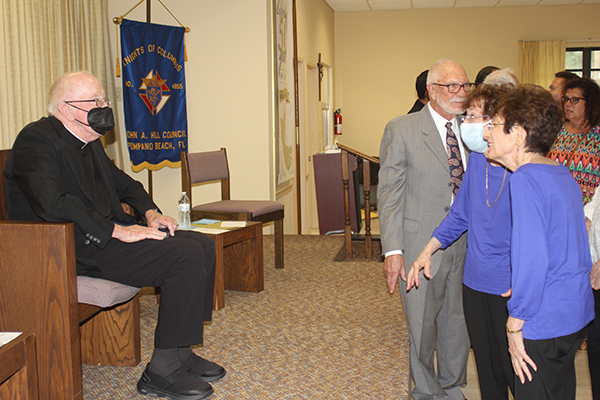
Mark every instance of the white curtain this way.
pixel 39 41
pixel 540 60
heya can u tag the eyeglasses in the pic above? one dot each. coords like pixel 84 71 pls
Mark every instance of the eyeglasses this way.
pixel 470 118
pixel 491 124
pixel 100 102
pixel 573 100
pixel 552 88
pixel 455 87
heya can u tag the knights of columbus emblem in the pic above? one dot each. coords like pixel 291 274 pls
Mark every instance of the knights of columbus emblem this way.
pixel 154 92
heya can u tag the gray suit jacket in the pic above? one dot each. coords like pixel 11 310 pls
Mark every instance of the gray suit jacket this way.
pixel 414 188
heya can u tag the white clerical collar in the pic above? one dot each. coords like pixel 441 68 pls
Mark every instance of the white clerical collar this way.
pixel 80 139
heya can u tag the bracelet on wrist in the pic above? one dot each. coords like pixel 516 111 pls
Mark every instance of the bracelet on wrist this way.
pixel 511 331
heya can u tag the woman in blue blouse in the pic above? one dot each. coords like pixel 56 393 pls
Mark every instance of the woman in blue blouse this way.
pixel 552 300
pixel 482 207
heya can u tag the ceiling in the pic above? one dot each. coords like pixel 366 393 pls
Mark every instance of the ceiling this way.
pixel 368 5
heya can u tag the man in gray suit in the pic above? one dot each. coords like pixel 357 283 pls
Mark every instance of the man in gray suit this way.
pixel 421 169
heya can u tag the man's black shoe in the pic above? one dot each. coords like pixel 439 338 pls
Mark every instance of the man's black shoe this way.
pixel 204 369
pixel 180 385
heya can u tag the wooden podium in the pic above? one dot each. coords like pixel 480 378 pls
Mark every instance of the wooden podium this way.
pixel 330 193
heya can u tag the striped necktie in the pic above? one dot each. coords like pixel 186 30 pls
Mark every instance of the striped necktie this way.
pixel 454 159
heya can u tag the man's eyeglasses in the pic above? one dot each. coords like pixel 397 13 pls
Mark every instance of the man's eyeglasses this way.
pixel 472 118
pixel 491 124
pixel 455 87
pixel 573 100
pixel 100 102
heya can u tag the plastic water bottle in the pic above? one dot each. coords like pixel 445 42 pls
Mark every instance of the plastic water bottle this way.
pixel 184 212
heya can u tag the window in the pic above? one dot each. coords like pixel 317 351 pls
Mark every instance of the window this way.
pixel 584 61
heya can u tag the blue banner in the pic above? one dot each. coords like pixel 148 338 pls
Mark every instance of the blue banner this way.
pixel 154 94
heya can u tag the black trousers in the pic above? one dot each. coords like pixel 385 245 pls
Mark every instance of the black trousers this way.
pixel 183 266
pixel 594 348
pixel 555 377
pixel 486 316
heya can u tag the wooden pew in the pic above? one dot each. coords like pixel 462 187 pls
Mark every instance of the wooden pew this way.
pixel 38 294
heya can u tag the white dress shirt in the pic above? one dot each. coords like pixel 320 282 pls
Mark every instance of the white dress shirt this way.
pixel 592 212
pixel 440 124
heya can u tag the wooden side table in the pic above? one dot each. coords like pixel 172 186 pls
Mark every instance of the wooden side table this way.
pixel 18 369
pixel 239 261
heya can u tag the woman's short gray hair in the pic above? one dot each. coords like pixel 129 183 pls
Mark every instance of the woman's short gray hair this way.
pixel 501 77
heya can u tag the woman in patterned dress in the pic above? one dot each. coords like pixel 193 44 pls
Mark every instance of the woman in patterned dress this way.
pixel 578 143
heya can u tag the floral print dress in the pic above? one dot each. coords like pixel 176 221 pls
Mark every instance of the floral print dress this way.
pixel 580 153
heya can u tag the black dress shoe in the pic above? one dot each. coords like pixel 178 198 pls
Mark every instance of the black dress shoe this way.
pixel 204 369
pixel 180 385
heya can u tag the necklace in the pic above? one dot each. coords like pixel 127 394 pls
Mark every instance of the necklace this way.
pixel 486 186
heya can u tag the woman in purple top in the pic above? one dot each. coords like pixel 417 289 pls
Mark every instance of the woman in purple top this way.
pixel 482 207
pixel 551 301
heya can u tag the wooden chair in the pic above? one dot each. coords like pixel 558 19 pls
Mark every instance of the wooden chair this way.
pixel 212 166
pixel 41 293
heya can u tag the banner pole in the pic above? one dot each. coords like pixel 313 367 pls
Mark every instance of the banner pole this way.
pixel 149 20
pixel 297 120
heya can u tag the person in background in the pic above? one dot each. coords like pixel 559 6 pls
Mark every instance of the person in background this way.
pixel 556 88
pixel 505 76
pixel 482 207
pixel 592 215
pixel 483 73
pixel 421 170
pixel 578 143
pixel 551 301
pixel 423 97
pixel 58 171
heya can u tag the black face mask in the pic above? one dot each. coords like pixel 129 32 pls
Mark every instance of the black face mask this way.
pixel 101 119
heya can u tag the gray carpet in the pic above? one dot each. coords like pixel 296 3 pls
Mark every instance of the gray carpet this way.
pixel 320 330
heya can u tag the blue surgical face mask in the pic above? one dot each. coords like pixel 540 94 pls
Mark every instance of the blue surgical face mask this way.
pixel 472 136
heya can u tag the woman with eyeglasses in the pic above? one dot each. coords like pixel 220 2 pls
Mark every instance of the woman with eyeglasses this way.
pixel 482 206
pixel 578 143
pixel 551 301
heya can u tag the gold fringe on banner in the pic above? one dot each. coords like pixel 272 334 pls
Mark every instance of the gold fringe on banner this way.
pixel 117 38
pixel 184 46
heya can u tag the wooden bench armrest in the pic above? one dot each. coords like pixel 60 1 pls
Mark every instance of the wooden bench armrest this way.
pixel 38 293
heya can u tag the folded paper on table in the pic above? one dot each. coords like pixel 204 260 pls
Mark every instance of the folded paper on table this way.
pixel 206 221
pixel 233 224
pixel 211 231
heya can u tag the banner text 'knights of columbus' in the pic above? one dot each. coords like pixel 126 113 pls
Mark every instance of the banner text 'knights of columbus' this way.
pixel 154 94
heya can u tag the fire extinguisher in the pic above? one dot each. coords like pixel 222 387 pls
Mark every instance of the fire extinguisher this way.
pixel 337 118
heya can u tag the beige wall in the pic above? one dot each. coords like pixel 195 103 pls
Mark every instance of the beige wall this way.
pixel 229 88
pixel 315 34
pixel 228 76
pixel 315 21
pixel 376 56
pixel 380 53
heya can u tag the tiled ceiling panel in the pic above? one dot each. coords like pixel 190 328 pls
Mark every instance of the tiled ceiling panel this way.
pixel 475 3
pixel 349 5
pixel 558 2
pixel 390 4
pixel 419 4
pixel 366 5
